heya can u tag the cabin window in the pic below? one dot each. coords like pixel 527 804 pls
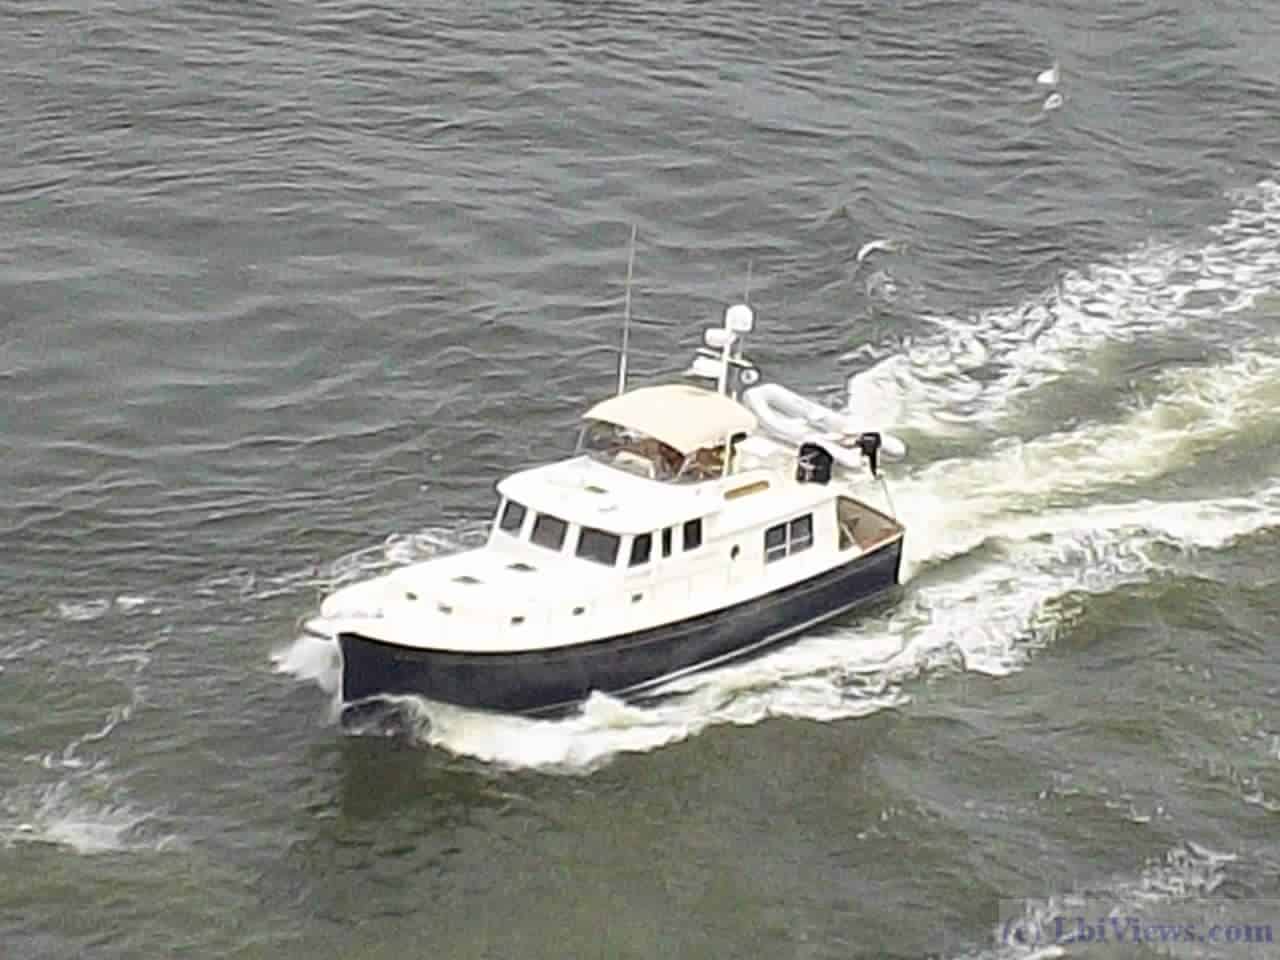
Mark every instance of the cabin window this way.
pixel 598 546
pixel 512 517
pixel 693 534
pixel 800 533
pixel 775 543
pixel 666 542
pixel 549 531
pixel 784 539
pixel 641 547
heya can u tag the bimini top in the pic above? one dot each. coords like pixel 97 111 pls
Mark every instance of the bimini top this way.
pixel 683 417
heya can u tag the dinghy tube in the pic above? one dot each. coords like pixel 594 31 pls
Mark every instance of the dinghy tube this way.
pixel 788 416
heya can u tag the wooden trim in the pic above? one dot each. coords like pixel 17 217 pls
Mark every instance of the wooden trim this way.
pixel 747 489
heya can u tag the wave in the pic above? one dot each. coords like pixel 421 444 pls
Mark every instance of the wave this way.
pixel 75 814
pixel 58 816
pixel 972 372
pixel 95 608
pixel 954 504
pixel 73 799
pixel 1175 891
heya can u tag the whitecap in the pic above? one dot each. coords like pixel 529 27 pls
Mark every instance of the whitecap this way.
pixel 972 372
pixel 311 658
pixel 83 611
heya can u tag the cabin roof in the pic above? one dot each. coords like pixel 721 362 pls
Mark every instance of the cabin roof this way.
pixel 583 491
pixel 683 417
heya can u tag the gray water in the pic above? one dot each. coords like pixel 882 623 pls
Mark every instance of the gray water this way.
pixel 285 288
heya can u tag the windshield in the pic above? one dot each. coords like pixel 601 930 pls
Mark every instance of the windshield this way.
pixel 629 450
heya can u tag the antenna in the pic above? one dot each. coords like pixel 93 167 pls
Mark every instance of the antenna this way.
pixel 746 294
pixel 626 316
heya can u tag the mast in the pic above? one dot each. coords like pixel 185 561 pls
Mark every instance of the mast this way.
pixel 626 317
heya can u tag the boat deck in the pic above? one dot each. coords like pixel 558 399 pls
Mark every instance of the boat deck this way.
pixel 863 525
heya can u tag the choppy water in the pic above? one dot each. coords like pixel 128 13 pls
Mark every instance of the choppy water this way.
pixel 285 288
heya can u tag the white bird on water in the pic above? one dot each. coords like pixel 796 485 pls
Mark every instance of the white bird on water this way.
pixel 871 246
pixel 1050 77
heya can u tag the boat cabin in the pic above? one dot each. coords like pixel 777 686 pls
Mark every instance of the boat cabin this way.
pixel 672 473
pixel 675 504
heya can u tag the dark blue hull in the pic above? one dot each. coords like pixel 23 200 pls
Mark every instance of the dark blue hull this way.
pixel 543 681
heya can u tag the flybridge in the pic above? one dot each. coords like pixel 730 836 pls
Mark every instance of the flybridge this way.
pixel 682 417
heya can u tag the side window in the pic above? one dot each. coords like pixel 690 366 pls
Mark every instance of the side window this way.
pixel 693 534
pixel 784 539
pixel 800 533
pixel 666 542
pixel 549 531
pixel 598 546
pixel 641 547
pixel 775 543
pixel 512 517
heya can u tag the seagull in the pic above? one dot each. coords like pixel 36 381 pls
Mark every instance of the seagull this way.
pixel 871 246
pixel 1052 102
pixel 1050 77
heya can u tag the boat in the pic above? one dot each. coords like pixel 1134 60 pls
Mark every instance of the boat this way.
pixel 698 522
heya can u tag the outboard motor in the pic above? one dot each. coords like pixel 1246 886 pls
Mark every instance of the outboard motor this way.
pixel 869 444
pixel 814 464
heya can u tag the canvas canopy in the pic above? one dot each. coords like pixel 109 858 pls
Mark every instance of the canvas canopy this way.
pixel 683 417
